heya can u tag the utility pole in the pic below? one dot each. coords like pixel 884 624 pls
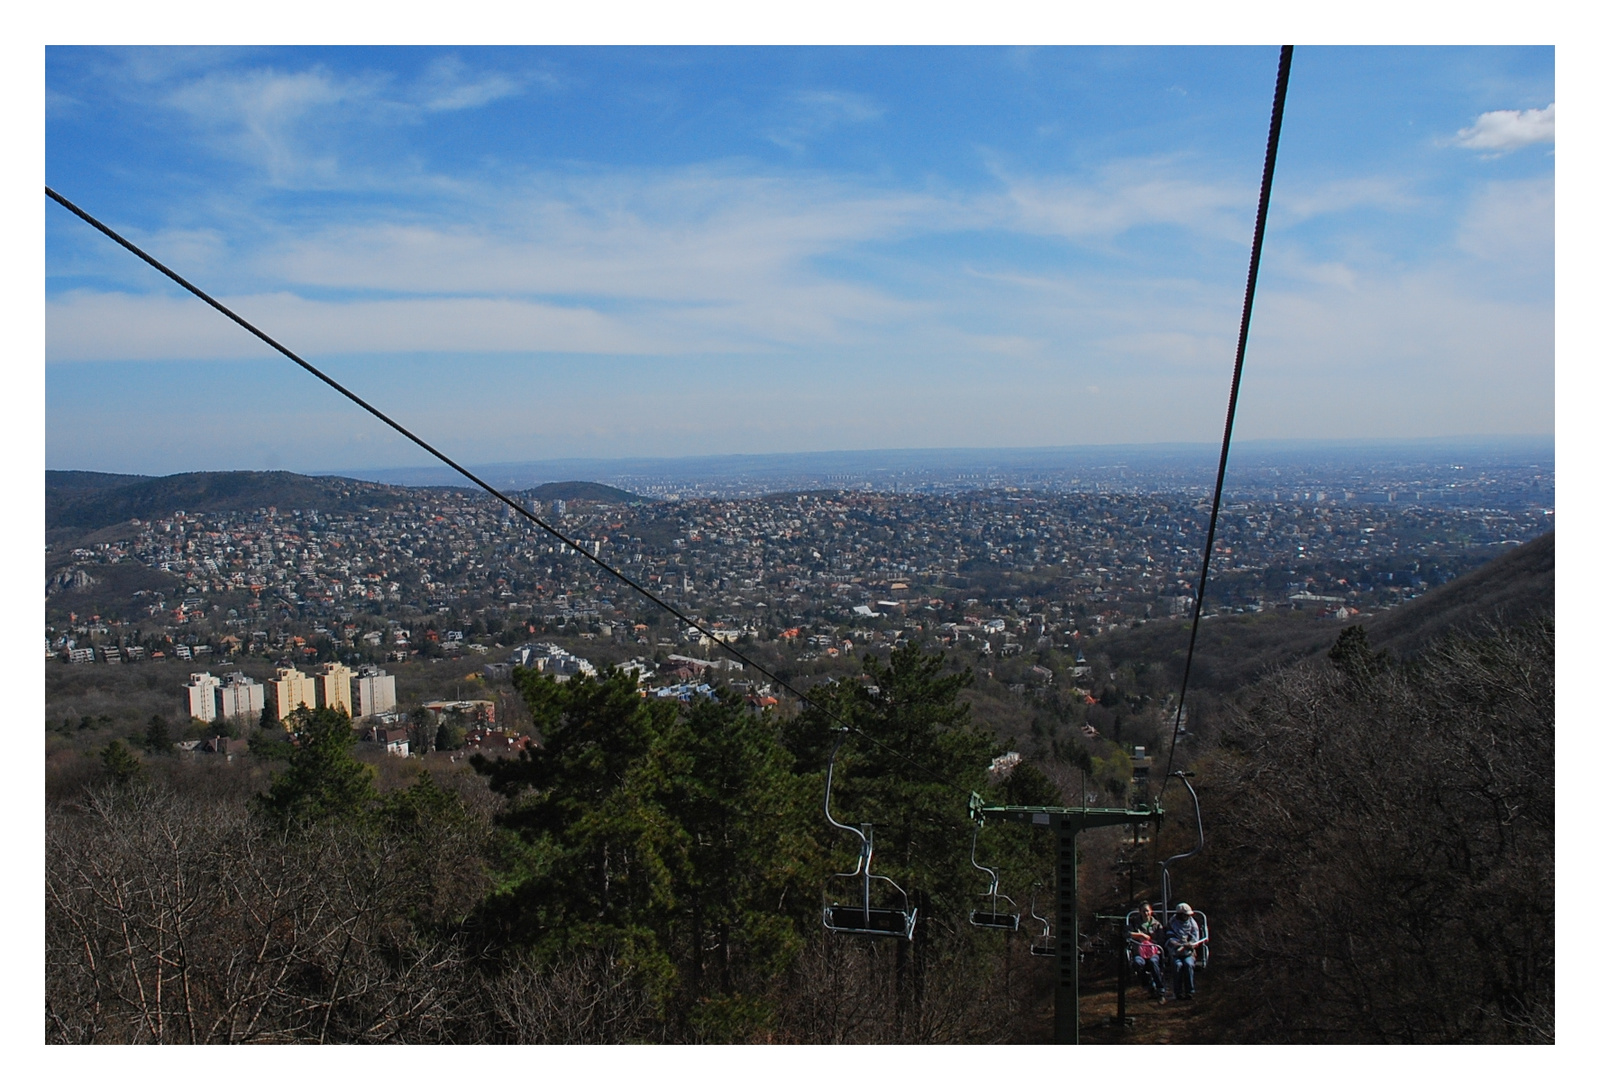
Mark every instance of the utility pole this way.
pixel 1066 823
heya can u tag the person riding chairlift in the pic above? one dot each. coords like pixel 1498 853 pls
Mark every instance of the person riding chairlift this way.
pixel 1145 951
pixel 1183 938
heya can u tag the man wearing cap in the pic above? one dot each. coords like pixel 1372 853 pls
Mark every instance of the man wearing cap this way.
pixel 1144 947
pixel 1183 938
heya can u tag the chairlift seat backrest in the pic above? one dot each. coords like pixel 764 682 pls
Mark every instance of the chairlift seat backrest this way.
pixel 1045 945
pixel 1202 952
pixel 992 916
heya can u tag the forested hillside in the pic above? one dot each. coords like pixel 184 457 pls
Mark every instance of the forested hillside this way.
pixel 1383 845
pixel 1235 651
pixel 81 502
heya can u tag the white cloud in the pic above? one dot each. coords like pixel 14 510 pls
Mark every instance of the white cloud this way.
pixel 831 107
pixel 670 262
pixel 308 127
pixel 1127 195
pixel 448 85
pixel 809 115
pixel 273 117
pixel 59 105
pixel 1500 131
pixel 81 326
pixel 1511 226
pixel 706 260
pixel 689 236
pixel 1291 205
pixel 799 283
pixel 1423 353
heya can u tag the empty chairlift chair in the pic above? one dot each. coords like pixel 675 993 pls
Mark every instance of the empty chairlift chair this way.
pixel 896 921
pixel 989 911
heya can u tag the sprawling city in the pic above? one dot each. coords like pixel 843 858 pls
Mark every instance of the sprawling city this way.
pixel 458 562
pixel 806 583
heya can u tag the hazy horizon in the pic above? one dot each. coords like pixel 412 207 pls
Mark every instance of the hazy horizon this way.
pixel 1171 463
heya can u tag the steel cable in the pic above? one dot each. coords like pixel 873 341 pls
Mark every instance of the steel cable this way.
pixel 1279 94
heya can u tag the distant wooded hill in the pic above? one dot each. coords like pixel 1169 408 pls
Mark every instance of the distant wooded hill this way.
pixel 77 502
pixel 1235 650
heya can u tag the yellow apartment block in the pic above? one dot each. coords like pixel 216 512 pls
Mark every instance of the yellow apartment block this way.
pixel 333 686
pixel 290 689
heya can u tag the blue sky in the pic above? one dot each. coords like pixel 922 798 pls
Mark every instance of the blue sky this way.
pixel 559 252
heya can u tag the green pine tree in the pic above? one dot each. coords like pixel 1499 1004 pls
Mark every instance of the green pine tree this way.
pixel 324 781
pixel 592 848
pixel 1354 657
pixel 910 773
pixel 120 761
pixel 750 860
pixel 676 837
pixel 157 736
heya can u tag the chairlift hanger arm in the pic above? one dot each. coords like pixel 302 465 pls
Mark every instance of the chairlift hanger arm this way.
pixel 994 875
pixel 1199 826
pixel 827 794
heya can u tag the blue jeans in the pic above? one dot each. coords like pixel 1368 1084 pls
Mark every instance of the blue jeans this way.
pixel 1183 975
pixel 1150 967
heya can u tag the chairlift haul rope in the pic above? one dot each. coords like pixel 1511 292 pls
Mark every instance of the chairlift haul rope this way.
pixel 1285 55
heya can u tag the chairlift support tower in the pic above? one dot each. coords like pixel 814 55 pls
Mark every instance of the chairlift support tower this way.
pixel 1066 822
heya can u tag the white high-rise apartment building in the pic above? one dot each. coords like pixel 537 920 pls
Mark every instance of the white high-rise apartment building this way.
pixel 373 691
pixel 241 697
pixel 202 693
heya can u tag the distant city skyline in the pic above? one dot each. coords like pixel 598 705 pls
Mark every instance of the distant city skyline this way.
pixel 1161 465
pixel 535 254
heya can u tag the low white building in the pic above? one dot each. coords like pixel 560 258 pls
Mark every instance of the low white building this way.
pixel 548 658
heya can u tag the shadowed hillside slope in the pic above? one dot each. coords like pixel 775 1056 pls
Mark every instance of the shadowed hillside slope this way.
pixel 1382 861
pixel 1237 650
pixel 1511 588
pixel 61 482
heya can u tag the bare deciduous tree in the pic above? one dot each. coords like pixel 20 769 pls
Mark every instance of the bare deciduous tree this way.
pixel 1384 847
